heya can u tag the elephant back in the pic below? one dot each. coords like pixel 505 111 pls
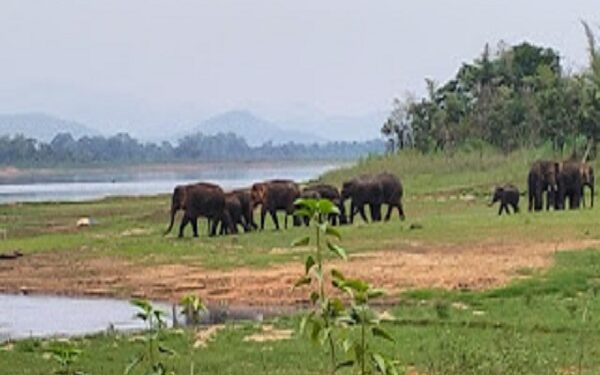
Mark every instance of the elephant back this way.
pixel 205 199
pixel 280 194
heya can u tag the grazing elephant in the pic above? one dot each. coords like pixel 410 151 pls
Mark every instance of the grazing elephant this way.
pixel 332 193
pixel 587 179
pixel 392 193
pixel 196 200
pixel 570 185
pixel 275 195
pixel 542 178
pixel 506 195
pixel 245 197
pixel 363 190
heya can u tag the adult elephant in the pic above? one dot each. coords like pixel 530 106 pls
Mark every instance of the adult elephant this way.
pixel 330 192
pixel 273 196
pixel 542 178
pixel 392 193
pixel 198 200
pixel 570 185
pixel 245 198
pixel 363 190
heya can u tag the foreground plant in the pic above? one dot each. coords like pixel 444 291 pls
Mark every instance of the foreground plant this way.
pixel 360 317
pixel 66 356
pixel 192 308
pixel 151 358
pixel 330 314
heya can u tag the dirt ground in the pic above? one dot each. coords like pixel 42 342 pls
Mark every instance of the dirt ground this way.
pixel 477 267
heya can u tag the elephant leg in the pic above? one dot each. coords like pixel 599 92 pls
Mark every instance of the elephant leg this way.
pixel 274 217
pixel 361 210
pixel 213 228
pixel 184 222
pixel 263 213
pixel 401 211
pixel 500 210
pixel 194 223
pixel 352 212
pixel 389 212
pixel 515 207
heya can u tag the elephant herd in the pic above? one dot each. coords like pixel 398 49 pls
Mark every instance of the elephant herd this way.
pixel 226 211
pixel 559 183
pixel 550 184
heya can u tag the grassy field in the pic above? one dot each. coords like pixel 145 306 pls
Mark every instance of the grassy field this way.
pixel 546 323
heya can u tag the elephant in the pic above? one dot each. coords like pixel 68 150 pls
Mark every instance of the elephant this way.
pixel 234 209
pixel 332 193
pixel 570 185
pixel 506 195
pixel 392 193
pixel 196 200
pixel 542 178
pixel 274 195
pixel 363 190
pixel 587 179
pixel 245 198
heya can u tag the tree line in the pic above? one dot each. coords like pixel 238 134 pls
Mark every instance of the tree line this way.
pixel 511 97
pixel 64 149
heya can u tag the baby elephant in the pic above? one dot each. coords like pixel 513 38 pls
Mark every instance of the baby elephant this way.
pixel 507 195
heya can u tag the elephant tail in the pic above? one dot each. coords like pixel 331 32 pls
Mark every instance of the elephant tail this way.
pixel 173 212
pixel 176 204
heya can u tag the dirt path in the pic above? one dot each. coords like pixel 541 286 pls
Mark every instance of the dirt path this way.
pixel 477 267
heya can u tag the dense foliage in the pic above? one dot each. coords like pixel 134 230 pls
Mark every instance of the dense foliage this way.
pixel 513 97
pixel 64 149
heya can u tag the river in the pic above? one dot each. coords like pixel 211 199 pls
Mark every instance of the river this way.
pixel 81 185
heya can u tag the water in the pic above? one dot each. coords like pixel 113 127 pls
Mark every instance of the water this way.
pixel 25 316
pixel 84 185
pixel 42 316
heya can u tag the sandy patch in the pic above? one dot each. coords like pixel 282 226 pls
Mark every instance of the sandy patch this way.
pixel 270 333
pixel 480 266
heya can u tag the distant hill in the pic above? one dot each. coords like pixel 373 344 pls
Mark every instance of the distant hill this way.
pixel 253 129
pixel 41 126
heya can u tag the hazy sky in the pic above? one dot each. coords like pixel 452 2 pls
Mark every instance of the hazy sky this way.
pixel 124 62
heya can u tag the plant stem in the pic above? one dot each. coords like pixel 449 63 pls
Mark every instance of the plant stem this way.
pixel 362 343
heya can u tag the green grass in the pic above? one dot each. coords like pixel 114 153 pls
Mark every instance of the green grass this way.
pixel 435 187
pixel 533 326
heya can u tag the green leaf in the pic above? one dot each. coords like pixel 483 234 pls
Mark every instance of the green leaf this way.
pixel 379 332
pixel 336 274
pixel 325 206
pixel 357 285
pixel 375 293
pixel 304 280
pixel 379 363
pixel 316 330
pixel 314 297
pixel 133 364
pixel 305 320
pixel 310 262
pixel 337 250
pixel 301 241
pixel 345 364
pixel 330 231
pixel 337 306
pixel 165 350
pixel 347 345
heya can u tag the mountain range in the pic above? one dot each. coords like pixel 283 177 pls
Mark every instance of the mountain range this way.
pixel 41 126
pixel 256 130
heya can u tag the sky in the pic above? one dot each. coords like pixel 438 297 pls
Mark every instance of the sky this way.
pixel 144 65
